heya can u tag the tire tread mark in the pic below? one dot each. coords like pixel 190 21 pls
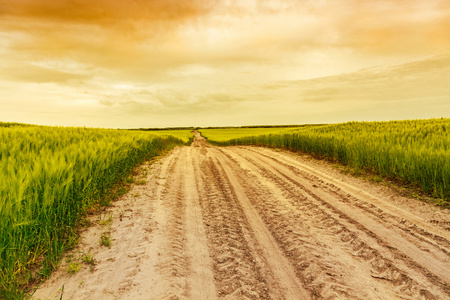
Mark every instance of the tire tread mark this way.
pixel 307 201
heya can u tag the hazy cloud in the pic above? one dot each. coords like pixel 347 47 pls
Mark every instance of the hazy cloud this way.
pixel 253 60
pixel 413 90
pixel 84 11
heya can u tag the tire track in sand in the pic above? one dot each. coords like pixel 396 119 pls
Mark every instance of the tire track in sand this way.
pixel 184 261
pixel 271 264
pixel 236 272
pixel 314 259
pixel 202 277
pixel 314 199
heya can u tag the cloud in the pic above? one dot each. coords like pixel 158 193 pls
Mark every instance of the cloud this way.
pixel 200 58
pixel 166 101
pixel 425 79
pixel 155 39
pixel 139 38
pixel 394 27
pixel 103 11
pixel 193 70
pixel 37 74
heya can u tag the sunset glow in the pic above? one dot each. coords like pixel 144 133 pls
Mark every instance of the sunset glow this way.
pixel 164 63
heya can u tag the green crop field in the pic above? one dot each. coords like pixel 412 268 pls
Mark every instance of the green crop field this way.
pixel 182 134
pixel 224 134
pixel 49 178
pixel 415 151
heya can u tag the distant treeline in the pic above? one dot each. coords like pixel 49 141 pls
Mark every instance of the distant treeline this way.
pixel 12 124
pixel 262 126
pixel 227 127
pixel 168 128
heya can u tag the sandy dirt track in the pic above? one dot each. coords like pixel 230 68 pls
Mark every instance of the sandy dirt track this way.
pixel 256 223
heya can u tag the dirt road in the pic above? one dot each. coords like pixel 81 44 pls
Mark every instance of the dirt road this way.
pixel 255 223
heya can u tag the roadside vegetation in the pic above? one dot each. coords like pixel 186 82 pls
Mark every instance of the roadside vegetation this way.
pixel 51 178
pixel 414 152
pixel 223 135
pixel 183 134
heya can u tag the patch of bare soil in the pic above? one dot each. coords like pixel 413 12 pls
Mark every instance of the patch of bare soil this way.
pixel 255 223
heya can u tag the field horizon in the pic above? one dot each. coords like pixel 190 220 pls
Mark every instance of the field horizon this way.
pixel 7 123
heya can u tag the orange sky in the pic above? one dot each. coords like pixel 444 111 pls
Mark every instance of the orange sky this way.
pixel 147 63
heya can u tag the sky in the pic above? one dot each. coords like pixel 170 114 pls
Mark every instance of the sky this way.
pixel 168 63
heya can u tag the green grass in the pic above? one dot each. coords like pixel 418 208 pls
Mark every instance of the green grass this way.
pixel 414 152
pixel 74 267
pixel 225 134
pixel 88 259
pixel 14 124
pixel 182 134
pixel 50 178
pixel 105 239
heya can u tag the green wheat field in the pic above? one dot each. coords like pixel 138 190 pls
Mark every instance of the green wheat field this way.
pixel 52 177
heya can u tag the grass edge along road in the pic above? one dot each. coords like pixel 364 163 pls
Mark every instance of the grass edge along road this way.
pixel 221 136
pixel 414 152
pixel 184 134
pixel 51 177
